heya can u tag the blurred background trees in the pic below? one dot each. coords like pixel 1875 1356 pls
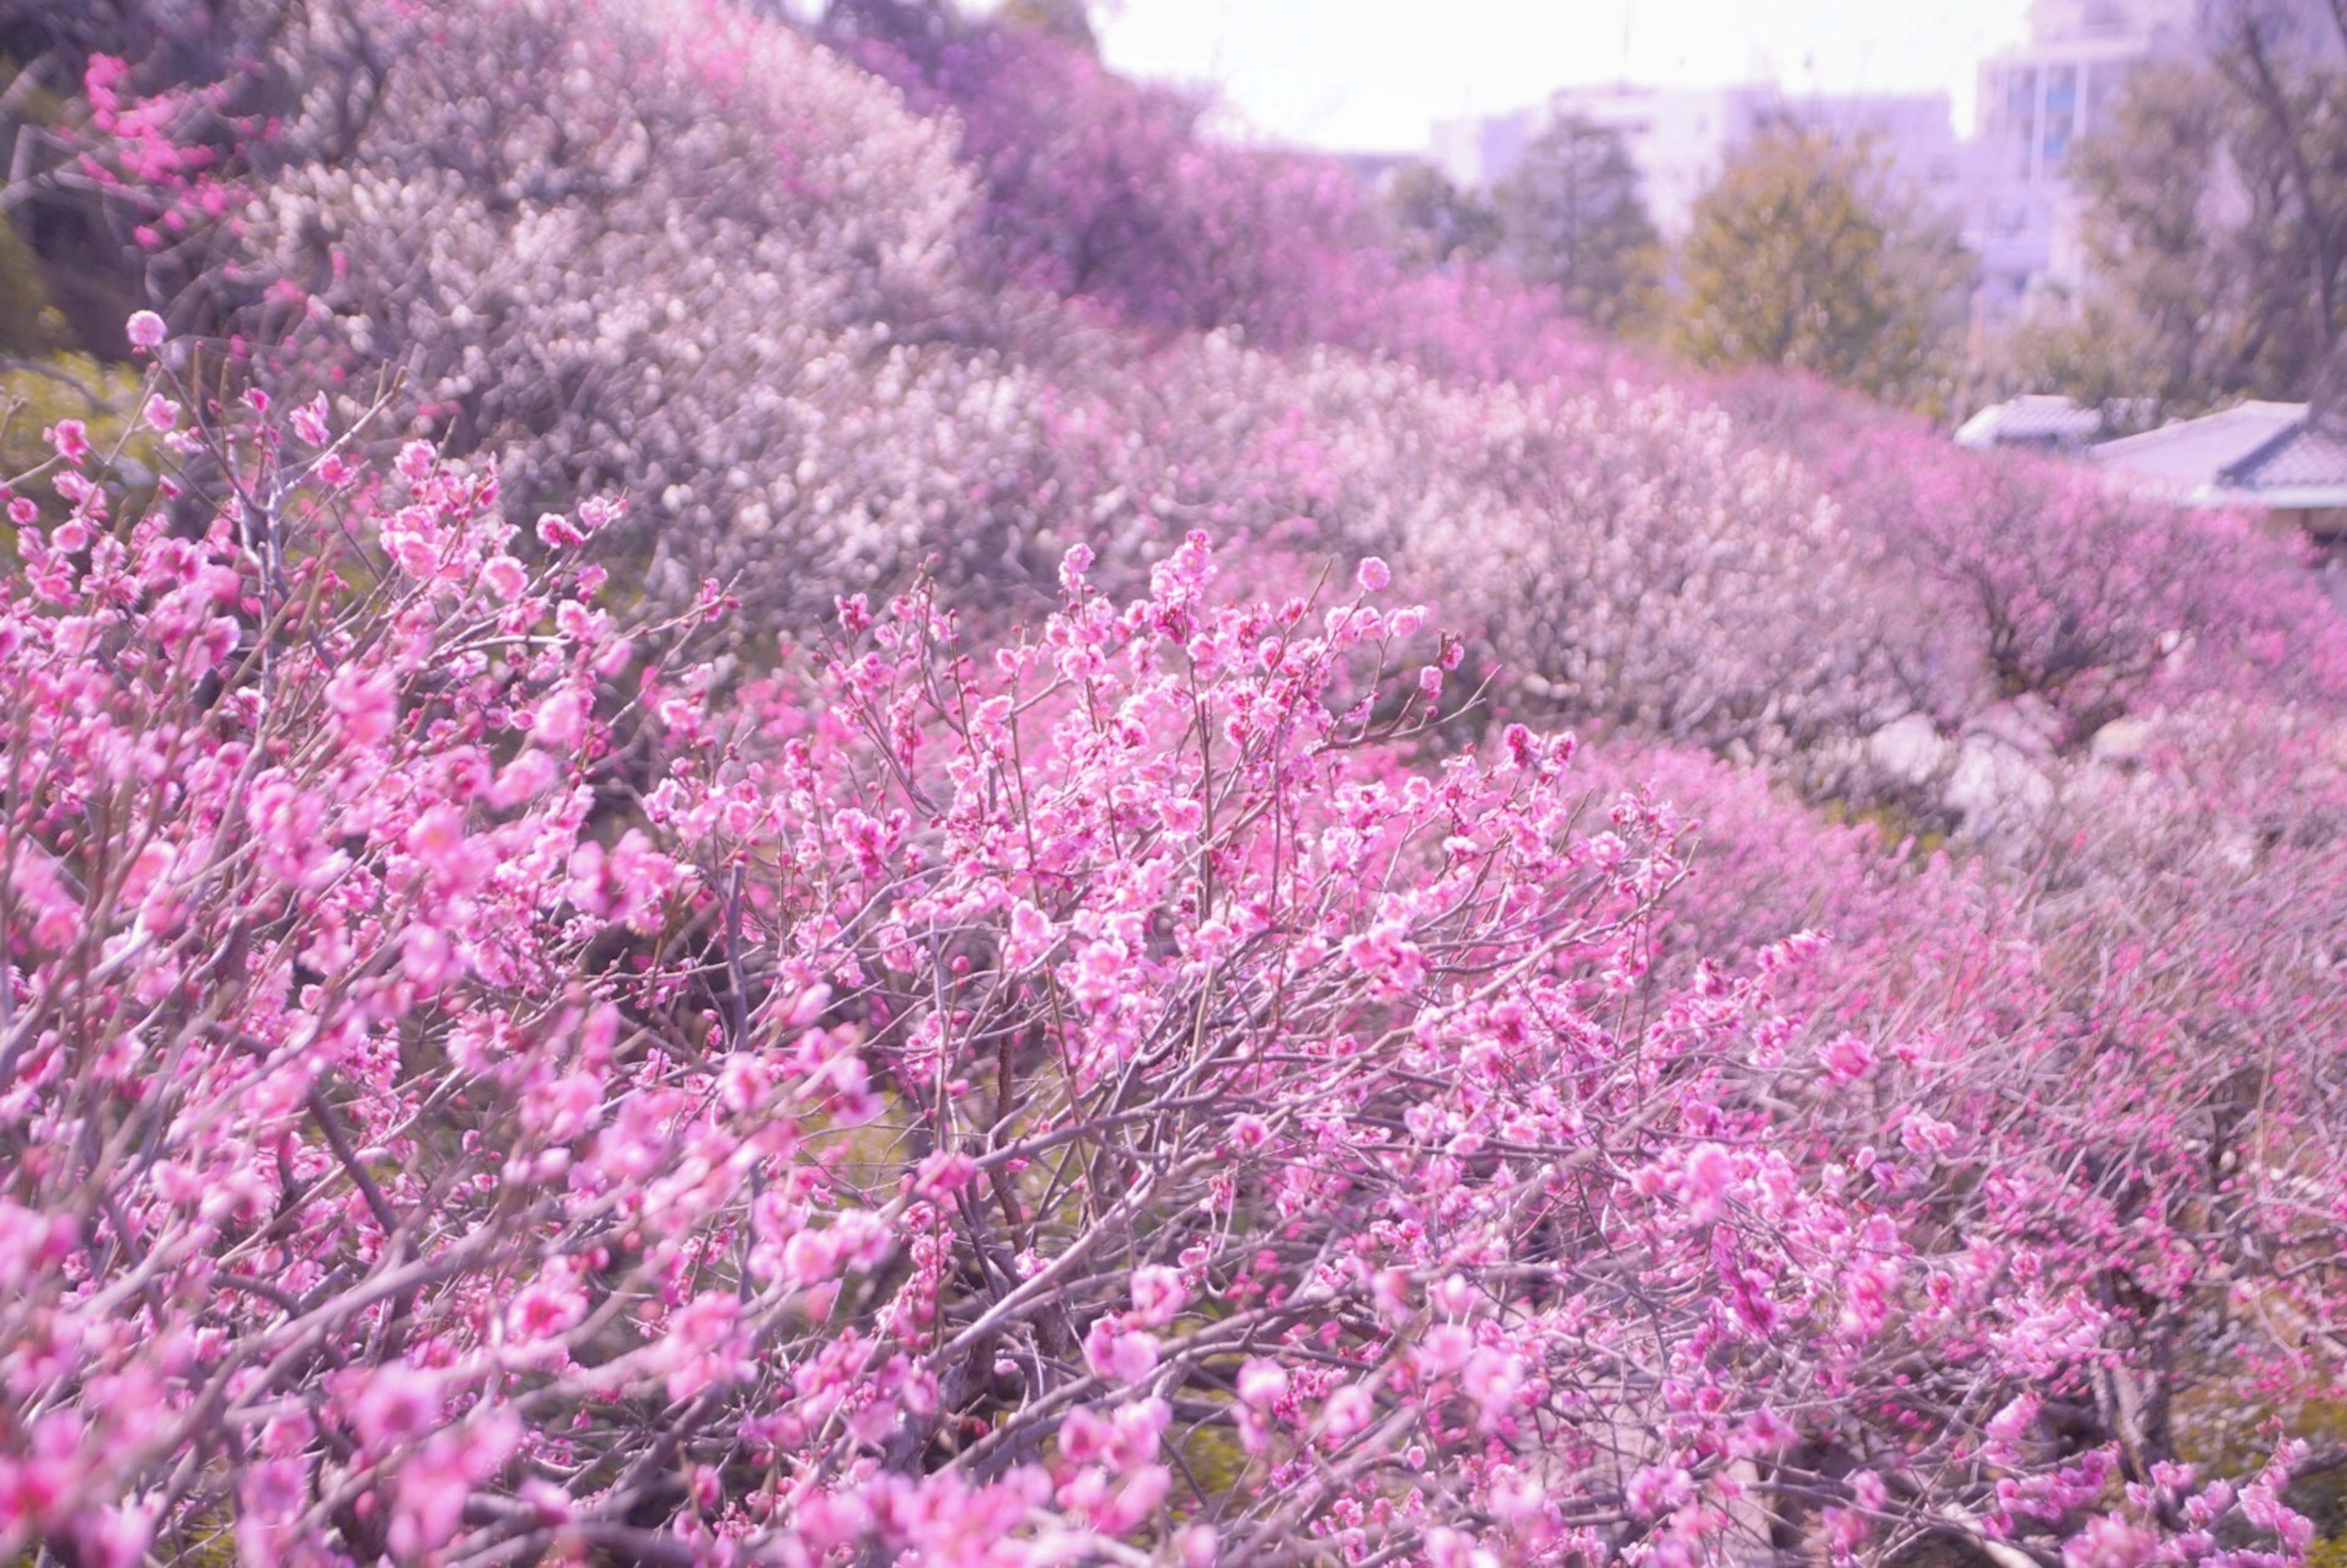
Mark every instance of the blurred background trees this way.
pixel 1575 222
pixel 2215 221
pixel 1804 255
pixel 1430 221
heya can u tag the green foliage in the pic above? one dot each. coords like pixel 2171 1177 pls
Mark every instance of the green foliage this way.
pixel 1576 221
pixel 1803 255
pixel 1431 222
pixel 29 324
pixel 2224 1427
pixel 36 394
pixel 1067 20
pixel 2170 320
pixel 2096 351
pixel 57 290
pixel 2216 221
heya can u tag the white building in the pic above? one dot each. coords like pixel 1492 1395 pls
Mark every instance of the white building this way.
pixel 2037 102
pixel 1679 137
pixel 1476 153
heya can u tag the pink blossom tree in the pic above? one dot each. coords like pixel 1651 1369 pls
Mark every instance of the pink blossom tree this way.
pixel 479 1088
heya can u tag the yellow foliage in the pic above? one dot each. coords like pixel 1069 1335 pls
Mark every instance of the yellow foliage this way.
pixel 36 394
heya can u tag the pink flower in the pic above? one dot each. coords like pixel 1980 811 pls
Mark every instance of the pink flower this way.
pixel 398 1404
pixel 1492 1379
pixel 70 438
pixel 2110 1541
pixel 703 1340
pixel 1710 1176
pixel 1372 575
pixel 1084 1436
pixel 366 702
pixel 809 1258
pixel 525 778
pixel 1119 1357
pixel 1847 1056
pixel 944 1174
pixel 1125 1509
pixel 310 421
pixel 503 576
pixel 1031 936
pixel 438 841
pixel 1158 1294
pixel 1134 1357
pixel 429 959
pixel 1099 979
pixel 1393 963
pixel 1656 1489
pixel 1262 1383
pixel 544 1308
pixel 1445 1348
pixel 434 1482
pixel 146 331
pixel 1448 1548
pixel 1348 1410
pixel 561 718
pixel 417 554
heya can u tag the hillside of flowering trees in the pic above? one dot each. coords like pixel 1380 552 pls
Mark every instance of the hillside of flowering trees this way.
pixel 806 796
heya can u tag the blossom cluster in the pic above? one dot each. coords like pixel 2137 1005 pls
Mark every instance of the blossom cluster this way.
pixel 485 1083
pixel 1087 1051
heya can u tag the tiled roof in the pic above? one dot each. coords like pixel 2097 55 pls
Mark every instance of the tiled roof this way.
pixel 2194 453
pixel 2311 456
pixel 2031 418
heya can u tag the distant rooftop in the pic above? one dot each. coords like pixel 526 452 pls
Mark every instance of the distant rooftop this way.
pixel 2030 421
pixel 2264 453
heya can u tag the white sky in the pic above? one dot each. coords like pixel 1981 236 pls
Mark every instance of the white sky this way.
pixel 1371 75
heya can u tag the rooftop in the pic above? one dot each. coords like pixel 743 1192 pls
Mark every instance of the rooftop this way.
pixel 2264 453
pixel 2030 421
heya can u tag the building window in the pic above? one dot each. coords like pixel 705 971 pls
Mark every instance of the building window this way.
pixel 2021 93
pixel 2061 93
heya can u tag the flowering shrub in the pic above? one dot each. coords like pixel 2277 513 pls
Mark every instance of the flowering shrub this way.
pixel 2031 589
pixel 1076 1098
pixel 577 267
pixel 1104 188
pixel 787 335
pixel 480 1083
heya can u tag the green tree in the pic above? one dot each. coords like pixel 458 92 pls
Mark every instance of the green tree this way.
pixel 1070 20
pixel 1429 220
pixel 1804 253
pixel 1574 220
pixel 2093 349
pixel 2216 207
